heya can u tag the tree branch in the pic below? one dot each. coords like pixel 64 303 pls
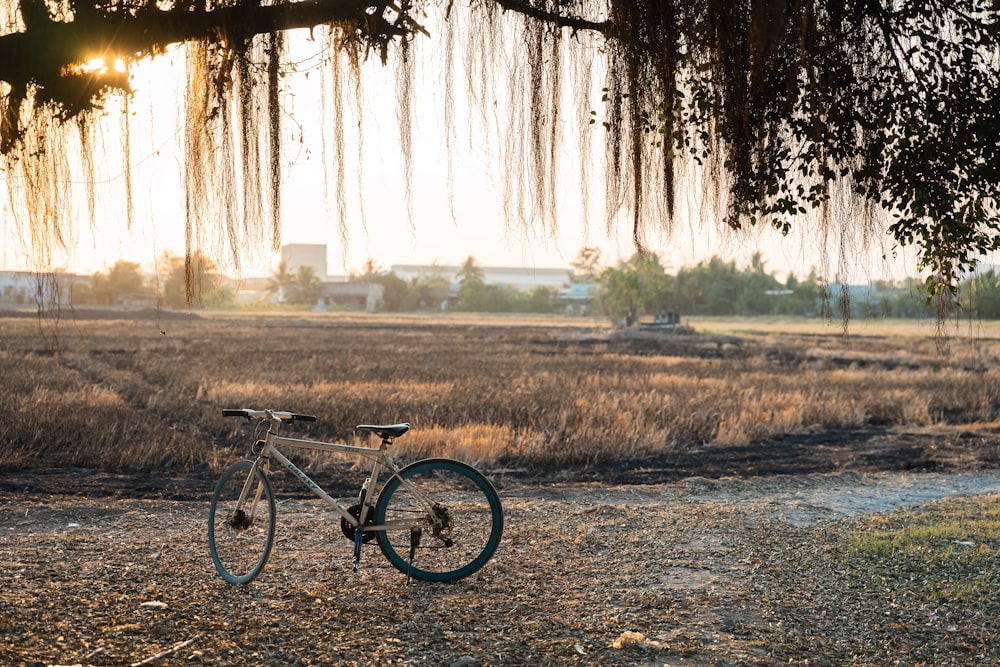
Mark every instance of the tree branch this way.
pixel 576 23
pixel 47 47
pixel 40 61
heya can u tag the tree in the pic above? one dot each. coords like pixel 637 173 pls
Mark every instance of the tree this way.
pixel 306 287
pixel 193 281
pixel 369 273
pixel 635 288
pixel 757 288
pixel 280 282
pixel 805 295
pixel 587 265
pixel 122 278
pixel 620 294
pixel 791 109
pixel 470 270
pixel 395 291
pixel 981 295
pixel 429 290
pixel 542 299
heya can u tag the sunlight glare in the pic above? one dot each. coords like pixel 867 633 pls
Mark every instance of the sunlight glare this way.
pixel 95 65
pixel 98 65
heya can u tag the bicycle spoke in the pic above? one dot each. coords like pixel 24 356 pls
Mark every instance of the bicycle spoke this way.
pixel 241 523
pixel 458 511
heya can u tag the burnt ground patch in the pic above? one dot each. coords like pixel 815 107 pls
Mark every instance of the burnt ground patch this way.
pixel 862 450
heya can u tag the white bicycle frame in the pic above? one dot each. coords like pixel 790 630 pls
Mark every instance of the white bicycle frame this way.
pixel 381 462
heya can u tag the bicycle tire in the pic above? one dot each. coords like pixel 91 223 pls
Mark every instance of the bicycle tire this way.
pixel 471 510
pixel 240 536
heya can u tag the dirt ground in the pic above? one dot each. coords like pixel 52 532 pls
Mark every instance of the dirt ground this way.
pixel 660 566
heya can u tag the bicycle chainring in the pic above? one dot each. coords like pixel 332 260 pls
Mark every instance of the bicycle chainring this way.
pixel 348 529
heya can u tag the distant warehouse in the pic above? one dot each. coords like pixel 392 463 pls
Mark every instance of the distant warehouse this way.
pixel 522 279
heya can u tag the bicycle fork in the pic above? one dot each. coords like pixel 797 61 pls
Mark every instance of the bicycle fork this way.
pixel 258 490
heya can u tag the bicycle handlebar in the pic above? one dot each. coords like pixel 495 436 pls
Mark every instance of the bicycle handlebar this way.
pixel 267 414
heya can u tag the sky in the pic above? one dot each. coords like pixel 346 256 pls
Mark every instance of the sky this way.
pixel 450 221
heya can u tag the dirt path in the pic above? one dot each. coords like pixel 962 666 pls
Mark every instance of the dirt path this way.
pixel 689 573
pixel 806 500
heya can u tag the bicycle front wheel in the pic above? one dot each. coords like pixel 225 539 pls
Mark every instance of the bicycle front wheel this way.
pixel 241 522
pixel 443 520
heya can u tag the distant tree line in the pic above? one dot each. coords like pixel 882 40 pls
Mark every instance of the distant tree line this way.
pixel 171 286
pixel 627 292
pixel 433 290
pixel 640 286
pixel 981 295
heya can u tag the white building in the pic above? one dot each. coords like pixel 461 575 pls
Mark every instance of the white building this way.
pixel 356 296
pixel 34 289
pixel 523 279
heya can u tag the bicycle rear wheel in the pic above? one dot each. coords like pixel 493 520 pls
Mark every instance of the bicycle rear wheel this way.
pixel 241 522
pixel 458 513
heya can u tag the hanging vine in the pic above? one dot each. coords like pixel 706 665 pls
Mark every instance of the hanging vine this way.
pixel 793 112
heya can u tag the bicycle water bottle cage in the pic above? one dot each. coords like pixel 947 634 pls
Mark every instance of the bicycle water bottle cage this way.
pixel 386 432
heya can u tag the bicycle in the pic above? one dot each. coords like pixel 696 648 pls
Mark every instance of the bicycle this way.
pixel 434 520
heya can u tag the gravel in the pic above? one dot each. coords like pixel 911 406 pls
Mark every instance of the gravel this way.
pixel 700 572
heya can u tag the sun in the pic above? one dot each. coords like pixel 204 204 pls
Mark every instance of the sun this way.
pixel 96 65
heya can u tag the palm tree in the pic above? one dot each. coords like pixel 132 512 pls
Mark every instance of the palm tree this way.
pixel 306 287
pixel 369 273
pixel 280 282
pixel 470 270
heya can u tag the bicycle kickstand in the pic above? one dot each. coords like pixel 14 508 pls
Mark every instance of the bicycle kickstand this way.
pixel 358 535
pixel 415 534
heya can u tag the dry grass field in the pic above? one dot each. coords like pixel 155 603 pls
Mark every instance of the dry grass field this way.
pixel 539 394
pixel 711 498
